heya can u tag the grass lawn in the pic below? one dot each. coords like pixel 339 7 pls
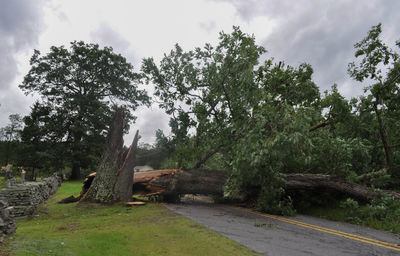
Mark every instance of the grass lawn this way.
pixel 69 229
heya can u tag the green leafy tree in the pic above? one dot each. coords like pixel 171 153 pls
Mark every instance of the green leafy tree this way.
pixel 380 65
pixel 80 86
pixel 40 149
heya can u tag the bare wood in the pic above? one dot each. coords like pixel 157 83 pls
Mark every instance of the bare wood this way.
pixel 134 203
pixel 124 177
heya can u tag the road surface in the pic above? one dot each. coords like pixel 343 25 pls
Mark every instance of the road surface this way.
pixel 295 236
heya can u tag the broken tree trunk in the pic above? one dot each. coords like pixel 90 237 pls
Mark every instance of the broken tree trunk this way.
pixel 124 178
pixel 212 182
pixel 197 181
pixel 174 182
pixel 114 177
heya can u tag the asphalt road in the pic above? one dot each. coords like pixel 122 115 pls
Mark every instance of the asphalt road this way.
pixel 301 235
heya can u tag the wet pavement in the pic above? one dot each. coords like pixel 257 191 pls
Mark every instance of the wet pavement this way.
pixel 295 236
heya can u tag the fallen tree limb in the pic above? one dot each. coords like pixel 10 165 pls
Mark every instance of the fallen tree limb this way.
pixel 310 181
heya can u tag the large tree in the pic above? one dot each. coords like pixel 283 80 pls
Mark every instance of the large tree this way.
pixel 81 86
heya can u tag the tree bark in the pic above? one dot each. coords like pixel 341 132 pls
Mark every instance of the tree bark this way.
pixel 311 181
pixel 116 166
pixel 212 182
pixel 206 182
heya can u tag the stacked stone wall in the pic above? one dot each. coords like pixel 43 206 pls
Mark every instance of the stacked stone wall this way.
pixel 7 223
pixel 23 199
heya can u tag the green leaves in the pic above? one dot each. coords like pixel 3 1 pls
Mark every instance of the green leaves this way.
pixel 375 53
pixel 381 64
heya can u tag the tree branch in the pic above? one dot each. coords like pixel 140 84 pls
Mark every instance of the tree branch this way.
pixel 320 125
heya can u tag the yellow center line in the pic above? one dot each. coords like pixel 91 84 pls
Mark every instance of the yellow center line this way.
pixel 317 228
pixel 329 231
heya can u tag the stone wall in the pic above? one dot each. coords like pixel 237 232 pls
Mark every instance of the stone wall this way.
pixel 7 223
pixel 23 199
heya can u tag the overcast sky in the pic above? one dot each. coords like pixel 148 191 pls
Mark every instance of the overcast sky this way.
pixel 318 32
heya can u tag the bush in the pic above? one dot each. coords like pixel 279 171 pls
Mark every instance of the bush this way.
pixel 385 209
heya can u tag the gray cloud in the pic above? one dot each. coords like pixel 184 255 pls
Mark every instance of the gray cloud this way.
pixel 149 120
pixel 322 33
pixel 20 26
pixel 107 36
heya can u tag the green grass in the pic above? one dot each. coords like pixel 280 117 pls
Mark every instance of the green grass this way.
pixel 93 229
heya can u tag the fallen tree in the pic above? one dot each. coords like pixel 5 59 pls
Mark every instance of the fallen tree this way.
pixel 174 182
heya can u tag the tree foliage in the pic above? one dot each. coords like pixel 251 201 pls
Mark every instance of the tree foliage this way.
pixel 224 103
pixel 380 64
pixel 231 111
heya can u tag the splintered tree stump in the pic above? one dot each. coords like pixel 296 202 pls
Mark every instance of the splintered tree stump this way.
pixel 114 176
